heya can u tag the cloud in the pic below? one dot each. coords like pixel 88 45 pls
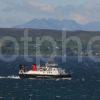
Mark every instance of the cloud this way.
pixel 79 18
pixel 15 12
pixel 41 6
pixel 47 8
pixel 86 12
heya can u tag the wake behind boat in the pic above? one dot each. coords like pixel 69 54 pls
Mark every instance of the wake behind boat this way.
pixel 49 71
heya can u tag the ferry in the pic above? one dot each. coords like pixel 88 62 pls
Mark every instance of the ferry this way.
pixel 49 71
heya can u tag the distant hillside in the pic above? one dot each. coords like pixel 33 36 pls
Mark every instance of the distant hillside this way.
pixel 56 34
pixel 59 25
pixel 71 48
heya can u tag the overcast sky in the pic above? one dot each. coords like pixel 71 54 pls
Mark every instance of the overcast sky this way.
pixel 16 12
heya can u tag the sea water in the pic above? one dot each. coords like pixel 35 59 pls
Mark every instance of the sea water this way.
pixel 84 85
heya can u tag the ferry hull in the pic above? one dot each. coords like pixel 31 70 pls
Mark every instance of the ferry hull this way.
pixel 22 76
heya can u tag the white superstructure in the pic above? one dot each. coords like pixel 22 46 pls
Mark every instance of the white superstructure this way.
pixel 48 69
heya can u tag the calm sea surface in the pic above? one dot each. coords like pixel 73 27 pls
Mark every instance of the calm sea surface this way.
pixel 85 83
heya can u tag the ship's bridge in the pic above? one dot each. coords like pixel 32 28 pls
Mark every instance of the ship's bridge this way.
pixel 51 65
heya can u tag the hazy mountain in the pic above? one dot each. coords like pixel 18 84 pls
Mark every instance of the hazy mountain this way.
pixel 58 25
pixel 93 26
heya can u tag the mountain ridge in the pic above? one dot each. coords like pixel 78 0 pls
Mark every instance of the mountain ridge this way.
pixel 55 24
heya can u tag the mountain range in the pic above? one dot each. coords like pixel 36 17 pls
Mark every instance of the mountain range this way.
pixel 70 25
